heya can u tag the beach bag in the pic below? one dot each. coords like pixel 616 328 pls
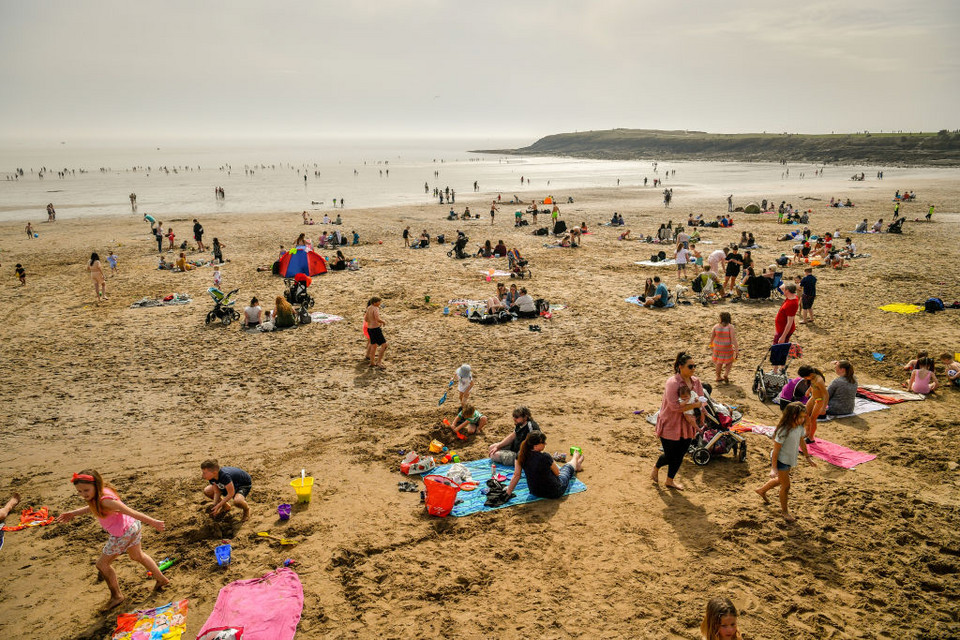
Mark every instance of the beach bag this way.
pixel 654 258
pixel 932 305
pixel 542 231
pixel 697 284
pixel 542 305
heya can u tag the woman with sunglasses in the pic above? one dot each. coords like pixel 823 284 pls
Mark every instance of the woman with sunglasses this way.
pixel 674 432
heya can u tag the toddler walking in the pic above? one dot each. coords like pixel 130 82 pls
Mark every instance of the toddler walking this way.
pixel 123 525
pixel 217 278
pixel 112 261
pixel 464 378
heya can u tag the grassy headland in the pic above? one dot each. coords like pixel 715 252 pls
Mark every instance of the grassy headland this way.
pixel 941 148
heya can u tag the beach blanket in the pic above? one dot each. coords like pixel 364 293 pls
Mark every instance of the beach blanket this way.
pixel 886 393
pixel 163 623
pixel 266 608
pixel 557 307
pixel 556 246
pixel 480 471
pixel 835 454
pixel 30 517
pixel 861 405
pixel 324 318
pixel 178 298
pixel 899 307
pixel 663 263
pixel 636 300
pixel 463 302
pixel 497 273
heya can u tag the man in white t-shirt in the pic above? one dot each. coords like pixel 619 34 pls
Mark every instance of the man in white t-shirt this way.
pixel 525 307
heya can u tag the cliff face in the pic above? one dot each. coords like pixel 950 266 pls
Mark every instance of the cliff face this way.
pixel 941 148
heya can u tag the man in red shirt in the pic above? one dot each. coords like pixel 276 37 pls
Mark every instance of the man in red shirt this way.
pixel 786 321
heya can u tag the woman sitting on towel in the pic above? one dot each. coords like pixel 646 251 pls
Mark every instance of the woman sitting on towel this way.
pixel 486 250
pixel 253 315
pixel 649 289
pixel 511 298
pixel 842 392
pixel 283 315
pixel 339 263
pixel 544 478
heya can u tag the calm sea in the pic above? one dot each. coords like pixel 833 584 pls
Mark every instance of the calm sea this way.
pixel 262 177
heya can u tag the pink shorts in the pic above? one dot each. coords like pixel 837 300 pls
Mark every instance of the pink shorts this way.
pixel 118 545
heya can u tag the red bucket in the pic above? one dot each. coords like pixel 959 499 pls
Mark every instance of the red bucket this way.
pixel 441 494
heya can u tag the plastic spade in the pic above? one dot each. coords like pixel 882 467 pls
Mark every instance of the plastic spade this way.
pixel 443 398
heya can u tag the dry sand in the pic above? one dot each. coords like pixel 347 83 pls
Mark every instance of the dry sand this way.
pixel 143 395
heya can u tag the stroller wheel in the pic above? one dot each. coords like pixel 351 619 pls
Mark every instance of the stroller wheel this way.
pixel 226 320
pixel 450 253
pixel 701 456
pixel 211 317
pixel 742 452
pixel 310 304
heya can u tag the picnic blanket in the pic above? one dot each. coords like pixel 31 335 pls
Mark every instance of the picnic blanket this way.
pixel 30 517
pixel 662 263
pixel 480 471
pixel 835 454
pixel 266 608
pixel 886 395
pixel 163 623
pixel 463 302
pixel 324 318
pixel 861 405
pixel 497 273
pixel 899 307
pixel 178 298
pixel 636 300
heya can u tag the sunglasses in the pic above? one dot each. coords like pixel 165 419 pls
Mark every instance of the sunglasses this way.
pixel 690 366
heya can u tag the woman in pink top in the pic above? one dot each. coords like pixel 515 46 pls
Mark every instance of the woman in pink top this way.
pixel 123 525
pixel 674 432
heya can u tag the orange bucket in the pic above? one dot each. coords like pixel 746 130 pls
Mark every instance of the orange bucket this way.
pixel 441 494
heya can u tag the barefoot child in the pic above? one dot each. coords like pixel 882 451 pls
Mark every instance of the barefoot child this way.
pixel 5 511
pixel 952 368
pixel 470 418
pixel 464 380
pixel 726 348
pixel 217 276
pixel 21 274
pixel 720 620
pixel 374 322
pixel 123 525
pixel 922 379
pixel 787 438
pixel 112 261
pixel 227 484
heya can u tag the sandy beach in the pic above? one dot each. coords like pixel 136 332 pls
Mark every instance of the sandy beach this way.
pixel 144 395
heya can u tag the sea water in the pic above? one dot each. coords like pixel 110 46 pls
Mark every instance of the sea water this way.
pixel 258 177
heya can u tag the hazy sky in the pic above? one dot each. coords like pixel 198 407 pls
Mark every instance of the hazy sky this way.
pixel 527 68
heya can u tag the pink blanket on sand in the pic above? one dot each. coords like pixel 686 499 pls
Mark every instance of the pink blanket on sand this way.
pixel 266 608
pixel 835 454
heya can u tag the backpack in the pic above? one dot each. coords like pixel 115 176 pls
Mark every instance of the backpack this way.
pixel 542 305
pixel 662 255
pixel 542 231
pixel 654 258
pixel 697 284
pixel 932 305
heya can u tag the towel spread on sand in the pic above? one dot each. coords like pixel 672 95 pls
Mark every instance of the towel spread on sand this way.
pixel 663 263
pixel 835 454
pixel 266 608
pixel 636 300
pixel 876 392
pixel 861 405
pixel 899 307
pixel 163 623
pixel 497 273
pixel 480 472
pixel 178 298
pixel 463 302
pixel 324 318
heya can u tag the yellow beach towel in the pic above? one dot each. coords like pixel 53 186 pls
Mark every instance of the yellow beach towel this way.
pixel 899 307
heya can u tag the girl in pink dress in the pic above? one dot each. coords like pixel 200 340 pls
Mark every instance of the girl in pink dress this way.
pixel 922 379
pixel 725 347
pixel 123 525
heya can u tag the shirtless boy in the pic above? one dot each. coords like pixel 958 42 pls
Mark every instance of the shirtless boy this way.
pixel 378 343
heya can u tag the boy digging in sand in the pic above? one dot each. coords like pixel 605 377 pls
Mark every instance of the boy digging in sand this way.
pixel 227 484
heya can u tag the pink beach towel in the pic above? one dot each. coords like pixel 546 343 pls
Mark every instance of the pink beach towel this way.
pixel 837 455
pixel 266 608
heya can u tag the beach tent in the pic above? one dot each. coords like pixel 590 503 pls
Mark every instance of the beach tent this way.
pixel 548 200
pixel 753 207
pixel 302 260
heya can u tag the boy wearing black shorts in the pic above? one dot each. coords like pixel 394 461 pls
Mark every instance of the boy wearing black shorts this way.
pixel 227 484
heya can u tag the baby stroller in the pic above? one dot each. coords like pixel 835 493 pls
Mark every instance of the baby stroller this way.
pixel 458 247
pixel 715 437
pixel 296 294
pixel 223 307
pixel 767 384
pixel 518 266
pixel 896 226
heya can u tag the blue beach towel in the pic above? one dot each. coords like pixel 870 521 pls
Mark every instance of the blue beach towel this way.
pixel 480 470
pixel 636 300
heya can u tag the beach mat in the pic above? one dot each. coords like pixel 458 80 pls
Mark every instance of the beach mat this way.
pixel 835 454
pixel 324 318
pixel 167 622
pixel 886 395
pixel 899 307
pixel 497 273
pixel 636 300
pixel 662 263
pixel 266 608
pixel 480 470
pixel 861 406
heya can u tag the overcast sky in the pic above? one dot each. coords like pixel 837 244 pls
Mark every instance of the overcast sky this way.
pixel 527 68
